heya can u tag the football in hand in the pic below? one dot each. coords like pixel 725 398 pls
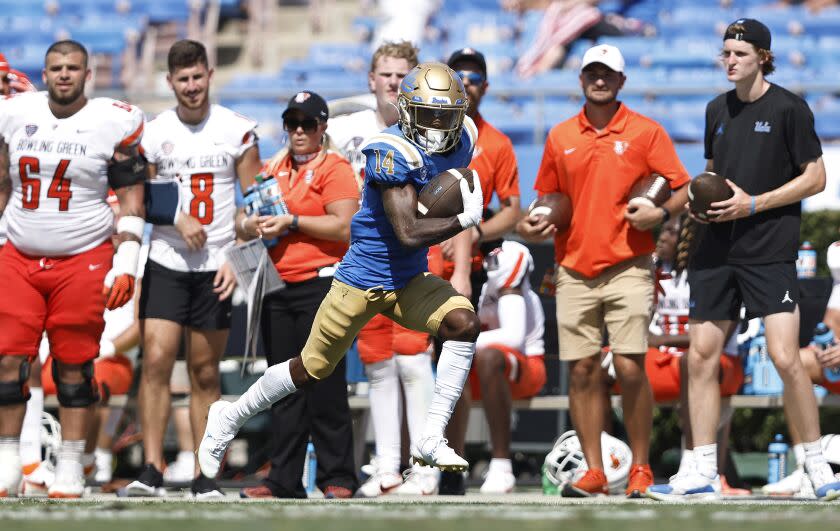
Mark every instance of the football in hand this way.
pixel 651 190
pixel 441 196
pixel 705 189
pixel 556 208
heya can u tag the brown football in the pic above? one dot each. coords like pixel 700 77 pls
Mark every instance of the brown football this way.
pixel 651 190
pixel 705 189
pixel 556 208
pixel 441 196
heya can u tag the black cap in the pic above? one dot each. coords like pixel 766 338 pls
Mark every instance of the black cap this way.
pixel 468 54
pixel 754 33
pixel 311 104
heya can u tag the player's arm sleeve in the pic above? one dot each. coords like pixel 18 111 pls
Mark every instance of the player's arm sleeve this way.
pixel 511 331
pixel 162 200
pixel 390 161
pixel 802 140
pixel 551 174
pixel 663 159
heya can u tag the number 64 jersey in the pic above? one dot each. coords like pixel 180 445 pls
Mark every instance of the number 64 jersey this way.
pixel 58 168
pixel 202 158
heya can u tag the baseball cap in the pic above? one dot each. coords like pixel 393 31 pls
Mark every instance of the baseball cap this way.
pixel 4 64
pixel 311 104
pixel 468 54
pixel 754 33
pixel 605 54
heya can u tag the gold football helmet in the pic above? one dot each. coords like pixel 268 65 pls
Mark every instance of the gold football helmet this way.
pixel 432 103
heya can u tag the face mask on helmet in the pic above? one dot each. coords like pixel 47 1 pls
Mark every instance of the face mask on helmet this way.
pixel 50 437
pixel 432 103
pixel 565 463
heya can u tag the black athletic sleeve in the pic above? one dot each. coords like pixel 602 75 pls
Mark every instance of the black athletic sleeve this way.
pixel 802 140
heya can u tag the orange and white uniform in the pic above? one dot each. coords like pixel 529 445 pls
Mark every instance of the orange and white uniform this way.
pixel 662 364
pixel 202 158
pixel 59 224
pixel 512 323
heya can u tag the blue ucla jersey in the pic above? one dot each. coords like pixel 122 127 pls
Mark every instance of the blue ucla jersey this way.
pixel 376 257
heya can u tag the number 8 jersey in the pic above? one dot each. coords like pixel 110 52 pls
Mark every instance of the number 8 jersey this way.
pixel 202 158
pixel 58 169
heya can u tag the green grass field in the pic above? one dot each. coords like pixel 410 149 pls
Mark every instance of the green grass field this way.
pixel 520 512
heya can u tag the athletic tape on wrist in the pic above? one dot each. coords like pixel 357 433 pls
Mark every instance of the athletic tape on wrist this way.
pixel 132 225
pixel 125 259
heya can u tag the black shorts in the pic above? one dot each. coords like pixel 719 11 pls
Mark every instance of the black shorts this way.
pixel 718 292
pixel 185 298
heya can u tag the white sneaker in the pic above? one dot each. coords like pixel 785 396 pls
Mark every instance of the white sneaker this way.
pixel 498 482
pixel 796 484
pixel 38 481
pixel 69 481
pixel 826 484
pixel 434 451
pixel 369 469
pixel 216 439
pixel 10 474
pixel 182 470
pixel 691 485
pixel 419 481
pixel 103 466
pixel 379 484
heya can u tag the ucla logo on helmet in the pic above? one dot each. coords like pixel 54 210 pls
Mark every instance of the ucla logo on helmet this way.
pixel 459 101
pixel 418 99
pixel 441 100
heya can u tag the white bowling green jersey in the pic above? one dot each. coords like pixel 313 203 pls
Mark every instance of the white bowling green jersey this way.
pixel 349 133
pixel 59 167
pixel 202 158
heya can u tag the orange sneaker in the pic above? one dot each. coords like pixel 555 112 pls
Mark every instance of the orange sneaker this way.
pixel 593 483
pixel 726 490
pixel 640 479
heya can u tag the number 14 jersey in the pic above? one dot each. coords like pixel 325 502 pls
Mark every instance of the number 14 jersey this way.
pixel 58 168
pixel 202 158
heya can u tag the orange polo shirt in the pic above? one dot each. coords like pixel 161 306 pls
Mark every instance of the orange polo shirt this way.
pixel 596 169
pixel 307 191
pixel 495 161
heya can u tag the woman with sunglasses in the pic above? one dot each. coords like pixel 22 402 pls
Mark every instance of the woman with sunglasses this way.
pixel 321 194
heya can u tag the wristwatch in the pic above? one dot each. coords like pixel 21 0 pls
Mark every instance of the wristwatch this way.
pixel 294 224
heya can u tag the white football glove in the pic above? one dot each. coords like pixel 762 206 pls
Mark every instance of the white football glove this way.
pixel 473 202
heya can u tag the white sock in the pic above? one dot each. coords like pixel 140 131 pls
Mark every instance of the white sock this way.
pixel 273 385
pixel 103 458
pixel 69 460
pixel 185 456
pixel 706 459
pixel 799 455
pixel 30 434
pixel 452 371
pixel 815 464
pixel 418 383
pixel 10 444
pixel 687 463
pixel 386 413
pixel 500 465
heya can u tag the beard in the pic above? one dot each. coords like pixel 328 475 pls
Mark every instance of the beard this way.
pixel 65 99
pixel 185 101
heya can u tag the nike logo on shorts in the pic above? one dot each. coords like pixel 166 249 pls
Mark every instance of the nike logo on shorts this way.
pixel 94 267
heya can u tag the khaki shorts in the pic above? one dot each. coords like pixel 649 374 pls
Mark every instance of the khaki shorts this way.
pixel 421 305
pixel 620 298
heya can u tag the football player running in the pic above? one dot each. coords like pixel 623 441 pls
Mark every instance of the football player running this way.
pixel 208 150
pixel 385 269
pixel 59 266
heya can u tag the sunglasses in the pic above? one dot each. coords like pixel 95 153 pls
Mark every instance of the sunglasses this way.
pixel 475 78
pixel 309 125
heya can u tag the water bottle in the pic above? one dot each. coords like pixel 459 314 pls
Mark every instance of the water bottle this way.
pixel 824 338
pixel 310 468
pixel 806 261
pixel 777 459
